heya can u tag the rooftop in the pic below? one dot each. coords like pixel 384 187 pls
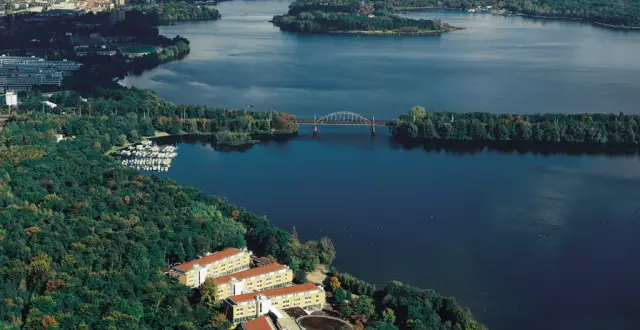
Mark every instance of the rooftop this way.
pixel 250 272
pixel 261 323
pixel 25 70
pixel 87 41
pixel 206 260
pixel 275 292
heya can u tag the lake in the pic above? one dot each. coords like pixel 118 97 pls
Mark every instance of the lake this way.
pixel 526 240
pixel 499 64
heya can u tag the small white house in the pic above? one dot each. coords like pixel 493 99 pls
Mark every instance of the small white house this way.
pixel 11 98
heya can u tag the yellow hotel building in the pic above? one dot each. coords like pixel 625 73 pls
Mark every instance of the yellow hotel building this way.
pixel 217 264
pixel 249 306
pixel 267 277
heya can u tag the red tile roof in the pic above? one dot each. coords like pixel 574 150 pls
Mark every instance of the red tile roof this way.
pixel 261 323
pixel 208 259
pixel 251 272
pixel 274 292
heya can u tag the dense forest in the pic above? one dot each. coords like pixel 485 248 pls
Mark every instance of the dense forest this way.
pixel 83 240
pixel 170 10
pixel 113 116
pixel 396 306
pixel 570 129
pixel 315 16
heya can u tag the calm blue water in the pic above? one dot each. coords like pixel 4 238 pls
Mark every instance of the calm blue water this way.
pixel 463 223
pixel 499 64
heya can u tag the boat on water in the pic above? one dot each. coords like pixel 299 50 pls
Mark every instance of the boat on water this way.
pixel 471 11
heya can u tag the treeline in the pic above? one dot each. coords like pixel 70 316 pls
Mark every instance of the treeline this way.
pixel 106 115
pixel 83 240
pixel 351 283
pixel 168 11
pixel 623 13
pixel 570 129
pixel 416 308
pixel 620 13
pixel 315 16
pixel 396 306
pixel 448 4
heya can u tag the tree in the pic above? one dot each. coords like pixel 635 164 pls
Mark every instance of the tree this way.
pixel 299 276
pixel 209 293
pixel 345 308
pixel 122 140
pixel 334 283
pixel 388 316
pixel 382 326
pixel 327 251
pixel 340 294
pixel 417 112
pixel 364 306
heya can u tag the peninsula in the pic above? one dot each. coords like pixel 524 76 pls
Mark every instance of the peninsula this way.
pixel 353 17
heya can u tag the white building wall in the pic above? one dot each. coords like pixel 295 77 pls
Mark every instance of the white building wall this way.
pixel 11 98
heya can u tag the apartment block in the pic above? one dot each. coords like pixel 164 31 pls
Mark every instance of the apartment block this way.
pixel 19 73
pixel 267 277
pixel 217 264
pixel 249 306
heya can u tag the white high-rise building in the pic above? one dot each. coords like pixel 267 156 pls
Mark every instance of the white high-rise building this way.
pixel 11 98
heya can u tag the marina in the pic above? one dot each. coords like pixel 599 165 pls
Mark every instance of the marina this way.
pixel 147 156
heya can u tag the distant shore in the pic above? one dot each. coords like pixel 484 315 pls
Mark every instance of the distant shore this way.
pixel 394 33
pixel 414 8
pixel 565 18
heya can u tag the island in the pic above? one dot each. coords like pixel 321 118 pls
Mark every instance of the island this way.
pixel 352 17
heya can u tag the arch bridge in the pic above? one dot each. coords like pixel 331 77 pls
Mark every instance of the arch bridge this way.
pixel 344 118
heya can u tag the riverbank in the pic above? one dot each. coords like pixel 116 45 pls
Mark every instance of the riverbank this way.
pixel 587 131
pixel 394 33
pixel 617 27
pixel 567 18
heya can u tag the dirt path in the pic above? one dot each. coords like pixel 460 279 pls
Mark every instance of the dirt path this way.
pixel 318 275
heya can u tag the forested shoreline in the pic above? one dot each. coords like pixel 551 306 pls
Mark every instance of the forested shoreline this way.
pixel 83 240
pixel 611 14
pixel 349 16
pixel 597 130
